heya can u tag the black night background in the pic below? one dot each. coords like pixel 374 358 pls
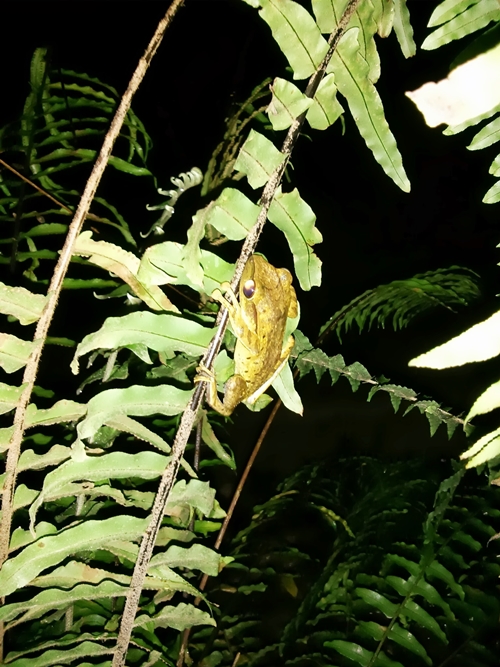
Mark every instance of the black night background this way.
pixel 213 55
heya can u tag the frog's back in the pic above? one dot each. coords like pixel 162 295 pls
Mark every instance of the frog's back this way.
pixel 258 365
pixel 256 368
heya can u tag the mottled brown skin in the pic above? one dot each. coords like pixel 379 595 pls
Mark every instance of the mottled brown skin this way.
pixel 266 299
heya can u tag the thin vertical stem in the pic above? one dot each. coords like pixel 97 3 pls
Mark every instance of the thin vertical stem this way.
pixel 60 271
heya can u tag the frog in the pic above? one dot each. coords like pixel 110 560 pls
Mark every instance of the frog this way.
pixel 258 319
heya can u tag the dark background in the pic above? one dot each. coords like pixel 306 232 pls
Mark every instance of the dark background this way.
pixel 214 54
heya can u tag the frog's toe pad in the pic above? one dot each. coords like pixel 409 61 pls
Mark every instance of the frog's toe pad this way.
pixel 204 374
pixel 216 294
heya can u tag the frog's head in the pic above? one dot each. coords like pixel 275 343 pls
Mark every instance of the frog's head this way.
pixel 258 279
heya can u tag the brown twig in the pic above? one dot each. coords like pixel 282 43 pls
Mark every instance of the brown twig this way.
pixel 88 215
pixel 58 277
pixel 247 249
pixel 244 477
pixel 34 185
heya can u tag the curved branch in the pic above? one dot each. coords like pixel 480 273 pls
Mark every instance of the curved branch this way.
pixel 60 271
pixel 189 416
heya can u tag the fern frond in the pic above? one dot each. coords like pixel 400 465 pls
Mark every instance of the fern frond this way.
pixel 221 163
pixel 458 19
pixel 309 359
pixel 63 116
pixel 403 558
pixel 182 182
pixel 70 572
pixel 400 301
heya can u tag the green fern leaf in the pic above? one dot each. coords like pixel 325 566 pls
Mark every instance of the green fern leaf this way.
pixel 180 617
pixel 287 103
pixel 297 35
pixel 361 596
pixel 403 300
pixel 84 649
pixel 9 397
pixel 125 265
pixel 48 601
pixel 403 29
pixel 365 19
pixel 309 358
pixel 448 10
pixel 352 77
pixel 30 460
pixel 21 303
pixel 493 194
pixel 132 401
pixel 290 213
pixel 61 412
pixel 233 214
pixel 489 135
pixel 258 158
pixel 20 570
pixel 325 108
pixel 162 264
pixel 14 352
pixel 60 482
pixel 460 18
pixel 164 333
pixel 358 654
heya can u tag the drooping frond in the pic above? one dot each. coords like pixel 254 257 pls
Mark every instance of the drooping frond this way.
pixel 308 358
pixel 400 301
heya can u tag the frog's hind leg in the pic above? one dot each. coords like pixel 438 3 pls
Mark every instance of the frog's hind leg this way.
pixel 283 360
pixel 234 390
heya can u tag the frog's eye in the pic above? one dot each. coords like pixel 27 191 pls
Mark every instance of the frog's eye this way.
pixel 249 288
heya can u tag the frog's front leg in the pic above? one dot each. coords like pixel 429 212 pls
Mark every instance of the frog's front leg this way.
pixel 230 301
pixel 234 390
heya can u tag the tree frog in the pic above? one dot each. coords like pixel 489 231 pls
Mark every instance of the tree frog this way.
pixel 258 320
